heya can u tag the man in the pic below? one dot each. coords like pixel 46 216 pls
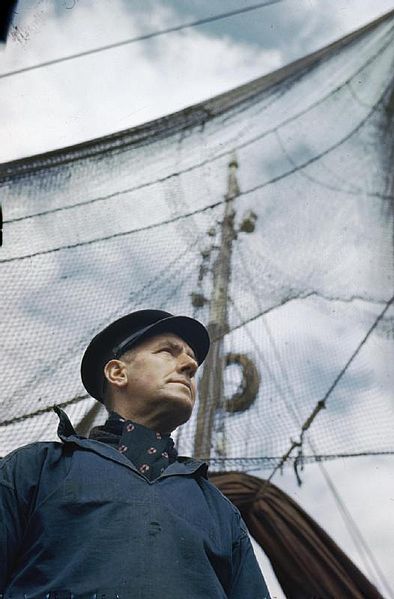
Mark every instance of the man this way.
pixel 120 515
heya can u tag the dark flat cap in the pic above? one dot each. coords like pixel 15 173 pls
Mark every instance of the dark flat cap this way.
pixel 128 331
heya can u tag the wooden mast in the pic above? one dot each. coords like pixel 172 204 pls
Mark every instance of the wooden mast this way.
pixel 211 383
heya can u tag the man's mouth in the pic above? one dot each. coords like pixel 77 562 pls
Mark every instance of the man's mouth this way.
pixel 182 383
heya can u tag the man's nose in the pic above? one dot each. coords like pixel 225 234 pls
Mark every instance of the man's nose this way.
pixel 187 364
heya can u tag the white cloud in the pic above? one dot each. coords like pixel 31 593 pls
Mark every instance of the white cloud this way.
pixel 106 92
pixel 96 95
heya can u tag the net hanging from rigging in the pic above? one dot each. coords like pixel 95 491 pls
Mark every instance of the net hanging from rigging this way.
pixel 134 220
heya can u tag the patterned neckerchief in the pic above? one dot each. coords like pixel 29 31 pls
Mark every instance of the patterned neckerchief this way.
pixel 150 451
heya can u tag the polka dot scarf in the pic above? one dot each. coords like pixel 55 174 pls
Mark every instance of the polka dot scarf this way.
pixel 150 452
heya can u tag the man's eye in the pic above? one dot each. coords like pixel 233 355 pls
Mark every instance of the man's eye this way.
pixel 167 349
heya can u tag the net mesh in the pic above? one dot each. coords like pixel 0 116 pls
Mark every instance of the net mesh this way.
pixel 133 221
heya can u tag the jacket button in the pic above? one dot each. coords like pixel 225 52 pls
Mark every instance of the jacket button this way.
pixel 154 528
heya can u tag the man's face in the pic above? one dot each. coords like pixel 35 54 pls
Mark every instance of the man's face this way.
pixel 160 379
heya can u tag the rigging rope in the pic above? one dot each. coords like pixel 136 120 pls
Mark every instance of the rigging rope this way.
pixel 354 531
pixel 215 204
pixel 254 139
pixel 321 404
pixel 143 37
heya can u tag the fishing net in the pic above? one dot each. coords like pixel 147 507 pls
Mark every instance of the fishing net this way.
pixel 135 220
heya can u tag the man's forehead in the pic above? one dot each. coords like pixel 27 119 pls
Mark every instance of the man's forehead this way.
pixel 171 338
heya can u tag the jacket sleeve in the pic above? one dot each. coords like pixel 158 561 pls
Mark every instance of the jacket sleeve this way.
pixel 19 474
pixel 247 581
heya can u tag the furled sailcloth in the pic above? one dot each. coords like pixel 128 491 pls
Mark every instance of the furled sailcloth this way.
pixel 133 220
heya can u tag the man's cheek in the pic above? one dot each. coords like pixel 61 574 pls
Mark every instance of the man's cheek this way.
pixel 141 380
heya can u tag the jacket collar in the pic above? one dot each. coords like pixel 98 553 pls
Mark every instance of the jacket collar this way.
pixel 182 465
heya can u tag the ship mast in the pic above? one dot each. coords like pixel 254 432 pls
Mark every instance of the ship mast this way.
pixel 211 383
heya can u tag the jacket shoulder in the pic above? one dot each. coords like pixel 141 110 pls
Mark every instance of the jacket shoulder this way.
pixel 28 460
pixel 32 450
pixel 219 496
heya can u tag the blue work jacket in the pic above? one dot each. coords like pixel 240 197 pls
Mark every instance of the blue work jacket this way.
pixel 78 521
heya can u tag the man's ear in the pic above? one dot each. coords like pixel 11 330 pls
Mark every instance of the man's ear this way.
pixel 116 373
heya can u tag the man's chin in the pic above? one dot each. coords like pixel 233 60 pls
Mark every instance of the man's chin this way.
pixel 181 409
